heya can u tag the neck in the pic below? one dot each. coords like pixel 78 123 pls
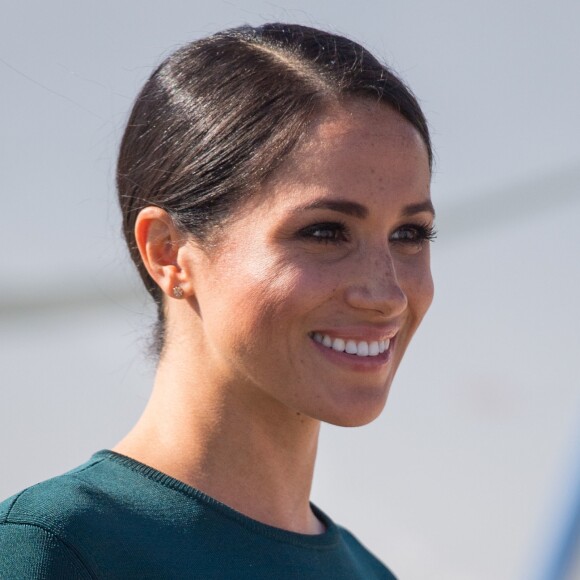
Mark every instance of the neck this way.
pixel 235 444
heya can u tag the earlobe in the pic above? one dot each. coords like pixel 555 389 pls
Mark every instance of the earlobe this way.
pixel 159 242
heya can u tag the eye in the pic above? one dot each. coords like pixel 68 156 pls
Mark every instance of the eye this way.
pixel 327 232
pixel 414 235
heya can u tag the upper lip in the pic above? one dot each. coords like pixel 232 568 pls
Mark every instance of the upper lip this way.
pixel 366 333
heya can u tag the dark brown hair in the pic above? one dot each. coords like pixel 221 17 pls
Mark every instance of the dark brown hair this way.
pixel 220 114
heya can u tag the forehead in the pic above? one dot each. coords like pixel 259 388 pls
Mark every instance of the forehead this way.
pixel 355 150
pixel 363 122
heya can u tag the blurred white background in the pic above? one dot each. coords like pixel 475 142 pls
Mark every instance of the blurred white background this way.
pixel 468 473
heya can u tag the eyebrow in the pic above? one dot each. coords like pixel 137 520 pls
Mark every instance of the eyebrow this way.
pixel 358 210
pixel 414 208
pixel 341 205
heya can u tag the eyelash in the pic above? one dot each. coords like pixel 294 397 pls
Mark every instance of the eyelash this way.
pixel 337 229
pixel 424 233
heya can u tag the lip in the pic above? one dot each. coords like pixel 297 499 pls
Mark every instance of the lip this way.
pixel 354 362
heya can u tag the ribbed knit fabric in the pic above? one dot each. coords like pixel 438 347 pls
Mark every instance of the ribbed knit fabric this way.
pixel 114 517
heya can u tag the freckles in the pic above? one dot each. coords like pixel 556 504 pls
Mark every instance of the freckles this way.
pixel 421 290
pixel 415 278
pixel 378 265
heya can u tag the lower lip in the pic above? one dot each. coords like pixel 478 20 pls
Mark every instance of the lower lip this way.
pixel 354 362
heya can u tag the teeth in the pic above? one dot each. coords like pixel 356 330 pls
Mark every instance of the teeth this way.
pixel 338 344
pixel 350 347
pixel 360 348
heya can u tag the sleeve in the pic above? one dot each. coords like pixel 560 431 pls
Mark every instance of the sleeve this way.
pixel 29 552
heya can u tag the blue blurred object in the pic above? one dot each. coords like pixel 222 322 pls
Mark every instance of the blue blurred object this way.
pixel 564 558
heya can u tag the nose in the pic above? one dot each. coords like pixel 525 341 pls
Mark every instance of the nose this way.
pixel 375 286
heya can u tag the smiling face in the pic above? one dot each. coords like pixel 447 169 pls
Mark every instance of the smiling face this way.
pixel 316 286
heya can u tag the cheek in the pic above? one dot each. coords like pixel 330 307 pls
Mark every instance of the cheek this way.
pixel 263 330
pixel 277 309
pixel 262 302
pixel 288 294
pixel 417 283
pixel 257 300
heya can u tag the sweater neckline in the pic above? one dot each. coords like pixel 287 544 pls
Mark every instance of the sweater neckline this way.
pixel 326 539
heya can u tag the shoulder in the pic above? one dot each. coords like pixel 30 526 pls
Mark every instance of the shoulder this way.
pixel 30 551
pixel 51 504
pixel 38 528
pixel 110 513
pixel 31 548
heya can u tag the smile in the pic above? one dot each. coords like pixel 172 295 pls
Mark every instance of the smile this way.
pixel 353 347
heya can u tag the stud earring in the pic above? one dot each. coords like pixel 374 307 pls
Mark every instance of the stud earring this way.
pixel 177 292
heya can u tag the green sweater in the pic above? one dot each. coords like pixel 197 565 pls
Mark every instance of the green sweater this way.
pixel 114 517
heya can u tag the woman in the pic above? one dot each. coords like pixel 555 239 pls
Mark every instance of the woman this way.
pixel 274 185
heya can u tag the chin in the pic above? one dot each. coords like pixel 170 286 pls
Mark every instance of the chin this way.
pixel 356 412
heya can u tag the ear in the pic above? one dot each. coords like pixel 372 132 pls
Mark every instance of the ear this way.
pixel 161 246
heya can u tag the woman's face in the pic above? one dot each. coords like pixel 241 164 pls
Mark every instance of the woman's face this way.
pixel 317 285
